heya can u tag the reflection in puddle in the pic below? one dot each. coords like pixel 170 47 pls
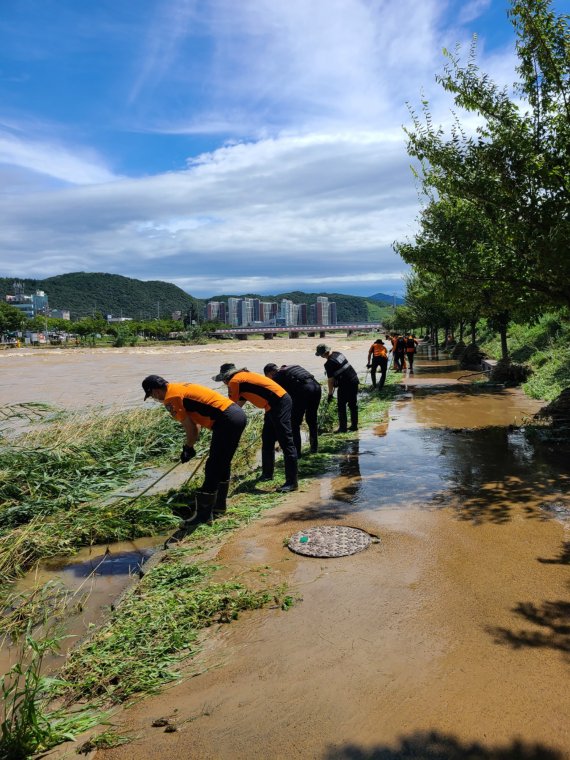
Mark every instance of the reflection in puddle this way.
pixel 111 563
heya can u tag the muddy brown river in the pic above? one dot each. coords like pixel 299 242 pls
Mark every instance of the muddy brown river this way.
pixel 447 639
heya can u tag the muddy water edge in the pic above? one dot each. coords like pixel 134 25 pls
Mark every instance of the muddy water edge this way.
pixel 449 638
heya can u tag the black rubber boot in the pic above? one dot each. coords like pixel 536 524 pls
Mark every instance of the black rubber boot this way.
pixel 290 476
pixel 204 509
pixel 267 464
pixel 220 504
pixel 314 443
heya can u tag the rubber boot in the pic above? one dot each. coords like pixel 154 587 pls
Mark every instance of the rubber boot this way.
pixel 204 509
pixel 220 505
pixel 267 464
pixel 314 443
pixel 291 483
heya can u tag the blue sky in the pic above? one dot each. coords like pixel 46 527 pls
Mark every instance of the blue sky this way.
pixel 251 146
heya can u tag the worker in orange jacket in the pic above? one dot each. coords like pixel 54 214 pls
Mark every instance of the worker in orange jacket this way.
pixel 196 406
pixel 378 357
pixel 266 394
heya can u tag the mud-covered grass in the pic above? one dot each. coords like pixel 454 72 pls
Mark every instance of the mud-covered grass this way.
pixel 155 628
pixel 58 483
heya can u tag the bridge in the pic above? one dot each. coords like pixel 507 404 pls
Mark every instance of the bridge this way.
pixel 293 331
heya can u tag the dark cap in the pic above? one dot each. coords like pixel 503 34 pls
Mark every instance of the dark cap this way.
pixel 322 349
pixel 151 383
pixel 226 371
pixel 270 368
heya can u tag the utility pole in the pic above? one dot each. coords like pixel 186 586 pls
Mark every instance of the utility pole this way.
pixel 158 309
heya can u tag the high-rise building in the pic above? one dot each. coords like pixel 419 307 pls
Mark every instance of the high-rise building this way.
pixel 233 318
pixel 312 314
pixel 332 313
pixel 302 314
pixel 322 310
pixel 288 312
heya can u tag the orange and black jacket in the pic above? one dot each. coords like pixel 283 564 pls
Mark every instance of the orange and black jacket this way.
pixel 411 344
pixel 377 350
pixel 203 405
pixel 261 391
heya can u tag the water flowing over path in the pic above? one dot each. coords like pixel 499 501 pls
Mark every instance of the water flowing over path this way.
pixel 449 638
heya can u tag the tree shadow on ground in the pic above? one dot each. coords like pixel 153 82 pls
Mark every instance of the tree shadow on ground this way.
pixel 433 745
pixel 562 559
pixel 553 627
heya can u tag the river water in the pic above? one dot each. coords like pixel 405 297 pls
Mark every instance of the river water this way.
pixel 452 630
pixel 74 378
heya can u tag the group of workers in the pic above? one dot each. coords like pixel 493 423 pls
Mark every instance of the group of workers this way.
pixel 287 394
pixel 402 348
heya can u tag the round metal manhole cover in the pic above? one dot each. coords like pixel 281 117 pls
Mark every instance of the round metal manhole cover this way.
pixel 329 541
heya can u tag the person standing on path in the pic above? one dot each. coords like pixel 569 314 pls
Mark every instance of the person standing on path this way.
pixel 196 406
pixel 305 392
pixel 342 375
pixel 400 353
pixel 266 394
pixel 411 347
pixel 378 357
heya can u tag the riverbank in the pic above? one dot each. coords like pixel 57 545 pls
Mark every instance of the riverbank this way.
pixel 445 638
pixel 447 453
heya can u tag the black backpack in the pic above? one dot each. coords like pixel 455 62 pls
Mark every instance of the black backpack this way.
pixel 401 343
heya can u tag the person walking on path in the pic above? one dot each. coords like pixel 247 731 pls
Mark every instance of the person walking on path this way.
pixel 196 406
pixel 266 394
pixel 411 347
pixel 400 353
pixel 378 357
pixel 305 393
pixel 342 375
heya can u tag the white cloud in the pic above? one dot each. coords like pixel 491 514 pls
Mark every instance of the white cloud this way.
pixel 52 159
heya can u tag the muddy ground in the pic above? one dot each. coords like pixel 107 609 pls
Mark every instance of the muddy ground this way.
pixel 450 638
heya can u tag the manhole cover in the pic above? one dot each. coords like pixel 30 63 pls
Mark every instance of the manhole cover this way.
pixel 329 541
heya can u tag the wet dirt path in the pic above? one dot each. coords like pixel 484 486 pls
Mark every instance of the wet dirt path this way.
pixel 453 630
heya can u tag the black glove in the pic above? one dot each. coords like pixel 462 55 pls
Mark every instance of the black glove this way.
pixel 368 366
pixel 330 398
pixel 188 453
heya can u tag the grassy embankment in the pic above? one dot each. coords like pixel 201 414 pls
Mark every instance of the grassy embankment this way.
pixel 545 347
pixel 156 626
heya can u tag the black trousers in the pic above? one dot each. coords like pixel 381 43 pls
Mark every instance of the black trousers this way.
pixel 277 427
pixel 411 359
pixel 399 358
pixel 225 438
pixel 347 396
pixel 382 362
pixel 305 404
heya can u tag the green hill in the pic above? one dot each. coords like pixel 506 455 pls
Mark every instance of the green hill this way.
pixel 84 293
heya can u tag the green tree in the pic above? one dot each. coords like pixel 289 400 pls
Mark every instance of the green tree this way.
pixel 11 319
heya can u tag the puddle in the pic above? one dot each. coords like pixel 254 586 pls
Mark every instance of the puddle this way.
pixel 95 577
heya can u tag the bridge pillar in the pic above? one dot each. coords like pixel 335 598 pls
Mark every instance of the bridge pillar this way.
pixel 293 334
pixel 311 335
pixel 322 334
pixel 242 336
pixel 348 333
pixel 267 336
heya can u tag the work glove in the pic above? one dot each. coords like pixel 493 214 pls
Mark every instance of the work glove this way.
pixel 329 398
pixel 188 453
pixel 368 366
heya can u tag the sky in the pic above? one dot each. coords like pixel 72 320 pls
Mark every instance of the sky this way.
pixel 227 147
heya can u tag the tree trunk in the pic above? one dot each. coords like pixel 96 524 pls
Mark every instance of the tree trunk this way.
pixel 461 328
pixel 503 323
pixel 473 330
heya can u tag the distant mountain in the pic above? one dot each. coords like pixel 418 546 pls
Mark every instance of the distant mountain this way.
pixel 387 299
pixel 86 292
